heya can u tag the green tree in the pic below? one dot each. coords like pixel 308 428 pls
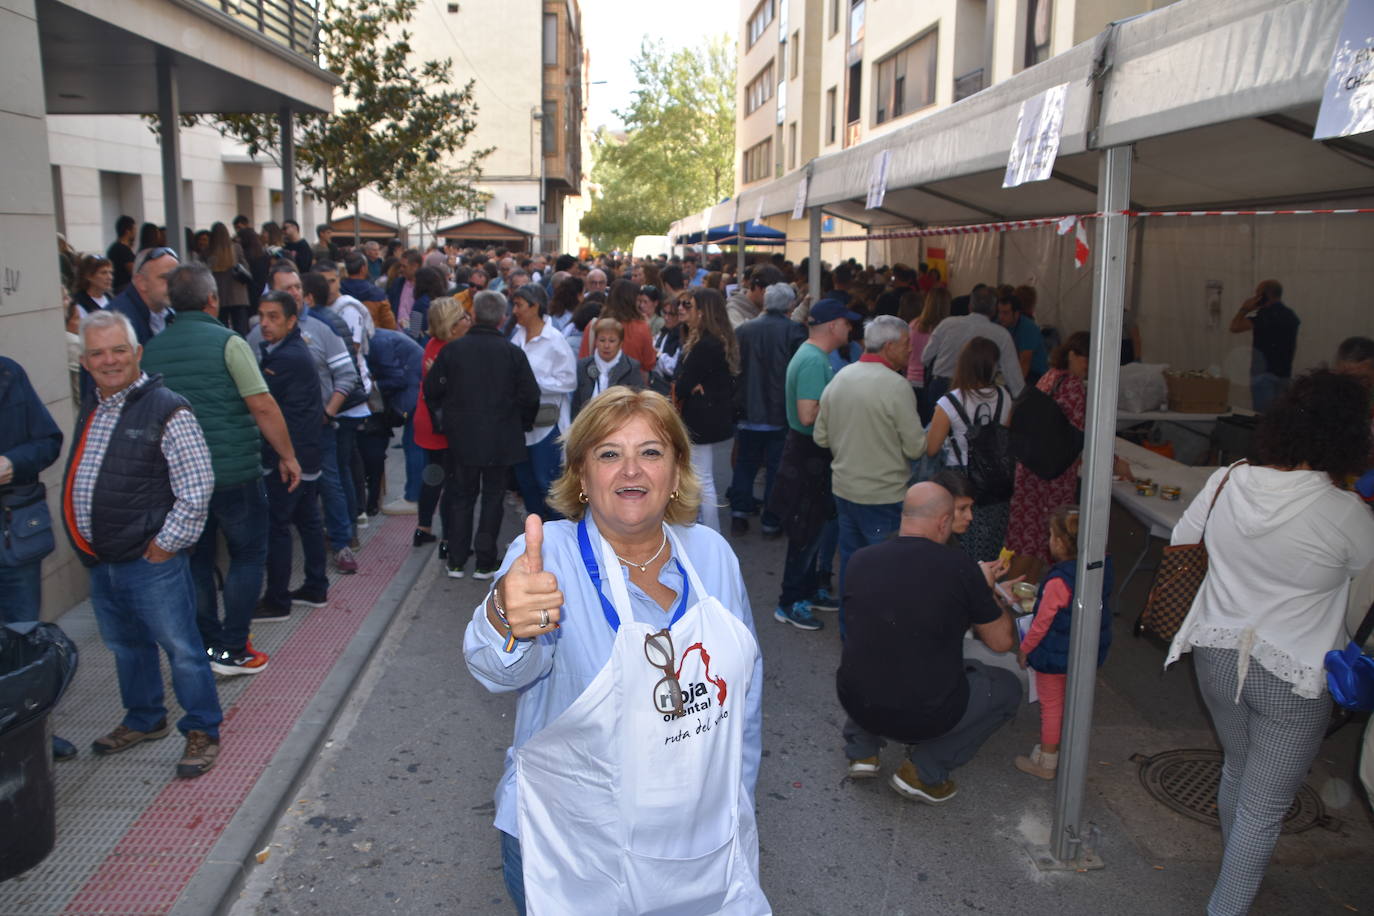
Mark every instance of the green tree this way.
pixel 679 150
pixel 392 114
pixel 432 192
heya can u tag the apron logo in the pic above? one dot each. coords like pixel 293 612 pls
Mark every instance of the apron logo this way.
pixel 696 695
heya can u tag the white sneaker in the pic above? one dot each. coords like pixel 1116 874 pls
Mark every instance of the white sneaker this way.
pixel 864 768
pixel 401 507
pixel 361 521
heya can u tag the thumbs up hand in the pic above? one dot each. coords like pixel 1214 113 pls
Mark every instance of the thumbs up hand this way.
pixel 529 595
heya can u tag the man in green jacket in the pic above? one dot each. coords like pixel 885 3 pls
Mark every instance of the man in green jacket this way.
pixel 214 369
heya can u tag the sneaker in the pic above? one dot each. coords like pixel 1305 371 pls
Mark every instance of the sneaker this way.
pixel 199 757
pixel 863 768
pixel 739 524
pixel 62 749
pixel 421 538
pixel 484 574
pixel 344 561
pixel 770 532
pixel 123 738
pixel 454 572
pixel 799 615
pixel 361 520
pixel 400 507
pixel 266 613
pixel 823 601
pixel 229 664
pixel 309 597
pixel 1039 763
pixel 907 782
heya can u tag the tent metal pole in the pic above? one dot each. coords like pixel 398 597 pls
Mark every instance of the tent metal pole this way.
pixel 813 273
pixel 1068 840
pixel 739 256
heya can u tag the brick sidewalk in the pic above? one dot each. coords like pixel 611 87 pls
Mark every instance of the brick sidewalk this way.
pixel 130 836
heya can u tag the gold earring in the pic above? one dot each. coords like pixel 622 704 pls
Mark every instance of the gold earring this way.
pixel 673 495
pixel 582 497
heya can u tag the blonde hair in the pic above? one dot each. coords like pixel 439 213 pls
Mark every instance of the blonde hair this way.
pixel 608 324
pixel 599 419
pixel 444 313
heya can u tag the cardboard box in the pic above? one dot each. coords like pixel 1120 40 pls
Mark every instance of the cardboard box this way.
pixel 1198 394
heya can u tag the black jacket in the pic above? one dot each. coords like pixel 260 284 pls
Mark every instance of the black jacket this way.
pixel 766 346
pixel 289 370
pixel 482 387
pixel 626 371
pixel 709 413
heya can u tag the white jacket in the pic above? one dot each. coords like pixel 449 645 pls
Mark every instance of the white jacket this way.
pixel 1282 548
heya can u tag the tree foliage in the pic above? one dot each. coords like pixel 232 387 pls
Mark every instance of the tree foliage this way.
pixel 392 115
pixel 679 151
pixel 432 193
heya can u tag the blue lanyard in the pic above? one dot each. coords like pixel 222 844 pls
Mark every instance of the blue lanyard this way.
pixel 594 570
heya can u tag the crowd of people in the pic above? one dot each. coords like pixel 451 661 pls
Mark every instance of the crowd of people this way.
pixel 252 384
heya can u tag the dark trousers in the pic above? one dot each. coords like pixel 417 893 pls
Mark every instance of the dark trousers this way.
pixel 240 512
pixel 755 447
pixel 372 445
pixel 466 482
pixel 302 509
pixel 21 592
pixel 432 491
pixel 994 696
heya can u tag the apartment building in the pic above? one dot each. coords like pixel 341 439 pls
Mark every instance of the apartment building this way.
pixel 817 76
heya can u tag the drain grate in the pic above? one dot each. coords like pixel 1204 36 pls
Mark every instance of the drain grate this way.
pixel 1187 781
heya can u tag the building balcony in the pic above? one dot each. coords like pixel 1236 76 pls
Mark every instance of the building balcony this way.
pixel 293 24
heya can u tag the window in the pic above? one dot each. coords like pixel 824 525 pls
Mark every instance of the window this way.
pixel 1037 31
pixel 834 17
pixel 759 90
pixel 453 7
pixel 760 21
pixel 792 145
pixel 550 128
pixel 796 54
pixel 758 161
pixel 830 113
pixel 905 81
pixel 551 39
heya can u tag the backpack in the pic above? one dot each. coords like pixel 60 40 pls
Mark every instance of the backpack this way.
pixel 1042 438
pixel 991 469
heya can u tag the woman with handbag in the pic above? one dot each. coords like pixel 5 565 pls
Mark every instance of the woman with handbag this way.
pixel 1282 543
pixel 704 389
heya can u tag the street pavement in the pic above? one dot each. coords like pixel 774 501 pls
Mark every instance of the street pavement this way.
pixel 394 812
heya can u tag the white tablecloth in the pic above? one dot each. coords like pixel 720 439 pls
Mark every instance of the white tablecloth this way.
pixel 1159 515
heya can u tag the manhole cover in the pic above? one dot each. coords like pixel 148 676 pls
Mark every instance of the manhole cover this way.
pixel 1187 781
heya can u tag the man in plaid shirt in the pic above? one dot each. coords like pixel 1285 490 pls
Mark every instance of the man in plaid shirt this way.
pixel 135 498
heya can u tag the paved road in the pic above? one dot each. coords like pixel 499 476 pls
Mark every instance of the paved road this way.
pixel 395 816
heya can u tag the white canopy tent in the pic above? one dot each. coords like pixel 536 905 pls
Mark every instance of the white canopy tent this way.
pixel 1203 105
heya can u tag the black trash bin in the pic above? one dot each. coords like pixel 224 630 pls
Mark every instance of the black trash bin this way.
pixel 37 661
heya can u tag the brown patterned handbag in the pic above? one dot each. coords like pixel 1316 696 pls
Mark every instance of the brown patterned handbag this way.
pixel 1181 571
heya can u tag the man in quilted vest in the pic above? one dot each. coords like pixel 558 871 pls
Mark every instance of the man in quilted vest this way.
pixel 134 499
pixel 213 368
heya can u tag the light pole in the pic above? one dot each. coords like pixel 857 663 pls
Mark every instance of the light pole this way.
pixel 537 114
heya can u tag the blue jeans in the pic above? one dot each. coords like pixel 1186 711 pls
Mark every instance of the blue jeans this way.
pixel 513 870
pixel 415 462
pixel 825 554
pixel 534 475
pixel 332 491
pixel 21 592
pixel 240 511
pixel 300 508
pixel 799 578
pixel 1265 389
pixel 752 448
pixel 139 606
pixel 861 525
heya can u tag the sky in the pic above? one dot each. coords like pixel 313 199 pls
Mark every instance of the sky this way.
pixel 612 31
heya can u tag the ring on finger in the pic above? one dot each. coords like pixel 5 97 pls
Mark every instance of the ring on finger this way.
pixel 543 619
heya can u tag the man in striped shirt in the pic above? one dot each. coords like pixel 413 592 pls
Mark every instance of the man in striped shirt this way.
pixel 135 498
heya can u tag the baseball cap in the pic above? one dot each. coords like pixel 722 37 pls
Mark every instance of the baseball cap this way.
pixel 829 310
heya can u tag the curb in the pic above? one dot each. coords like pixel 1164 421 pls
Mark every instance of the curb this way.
pixel 215 886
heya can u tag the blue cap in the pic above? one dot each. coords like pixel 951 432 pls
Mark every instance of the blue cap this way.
pixel 829 310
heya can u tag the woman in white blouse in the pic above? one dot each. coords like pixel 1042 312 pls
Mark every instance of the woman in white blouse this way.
pixel 1283 542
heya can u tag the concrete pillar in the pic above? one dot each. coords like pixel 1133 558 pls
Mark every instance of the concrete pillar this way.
pixel 169 114
pixel 285 124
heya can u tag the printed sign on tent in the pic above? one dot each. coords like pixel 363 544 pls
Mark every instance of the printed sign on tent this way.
pixel 1037 137
pixel 734 218
pixel 705 224
pixel 803 188
pixel 758 211
pixel 877 179
pixel 1348 103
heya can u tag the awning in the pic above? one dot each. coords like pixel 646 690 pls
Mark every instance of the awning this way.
pixel 754 234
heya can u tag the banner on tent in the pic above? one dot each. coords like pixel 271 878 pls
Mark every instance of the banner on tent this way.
pixel 799 207
pixel 877 180
pixel 1038 129
pixel 1348 102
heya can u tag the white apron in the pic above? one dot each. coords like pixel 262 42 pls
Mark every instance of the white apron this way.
pixel 623 810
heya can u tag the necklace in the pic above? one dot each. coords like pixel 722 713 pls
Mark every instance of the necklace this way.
pixel 644 567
